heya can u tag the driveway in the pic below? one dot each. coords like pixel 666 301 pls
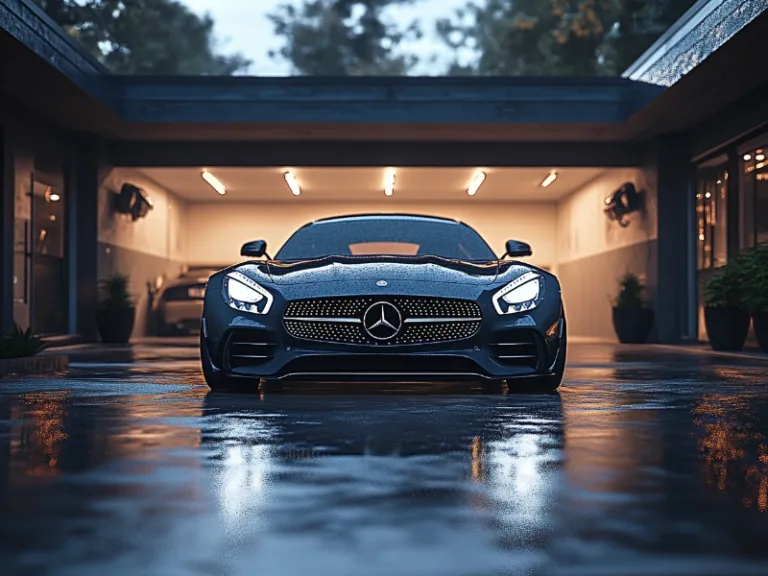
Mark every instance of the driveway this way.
pixel 649 461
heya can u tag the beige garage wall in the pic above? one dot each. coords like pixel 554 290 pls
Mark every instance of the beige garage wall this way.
pixel 593 252
pixel 147 249
pixel 217 230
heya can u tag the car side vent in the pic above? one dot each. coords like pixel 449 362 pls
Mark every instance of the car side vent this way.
pixel 250 348
pixel 516 348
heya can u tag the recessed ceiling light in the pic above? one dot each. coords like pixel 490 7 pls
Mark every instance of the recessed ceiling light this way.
pixel 760 157
pixel 551 177
pixel 293 184
pixel 747 157
pixel 214 182
pixel 475 184
pixel 389 182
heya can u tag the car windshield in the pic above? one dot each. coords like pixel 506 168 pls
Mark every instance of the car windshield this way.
pixel 367 236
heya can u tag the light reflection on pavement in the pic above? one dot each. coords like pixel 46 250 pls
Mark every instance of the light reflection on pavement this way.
pixel 634 468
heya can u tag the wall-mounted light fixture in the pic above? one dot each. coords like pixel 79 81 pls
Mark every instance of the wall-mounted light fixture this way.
pixel 51 196
pixel 389 182
pixel 551 177
pixel 475 184
pixel 132 200
pixel 293 184
pixel 214 182
pixel 624 201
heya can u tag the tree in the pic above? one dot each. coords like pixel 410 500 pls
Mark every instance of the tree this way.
pixel 342 37
pixel 144 36
pixel 556 37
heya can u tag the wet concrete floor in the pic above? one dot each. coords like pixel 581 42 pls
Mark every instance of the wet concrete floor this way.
pixel 647 462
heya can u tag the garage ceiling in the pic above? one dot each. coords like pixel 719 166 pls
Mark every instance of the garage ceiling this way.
pixel 363 184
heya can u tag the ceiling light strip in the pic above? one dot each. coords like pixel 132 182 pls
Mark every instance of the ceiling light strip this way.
pixel 475 184
pixel 389 183
pixel 551 177
pixel 293 184
pixel 214 182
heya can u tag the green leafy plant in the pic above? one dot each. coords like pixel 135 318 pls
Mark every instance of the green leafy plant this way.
pixel 20 343
pixel 631 292
pixel 754 264
pixel 114 292
pixel 726 289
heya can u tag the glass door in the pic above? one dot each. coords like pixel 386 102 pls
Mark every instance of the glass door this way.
pixel 49 287
pixel 40 297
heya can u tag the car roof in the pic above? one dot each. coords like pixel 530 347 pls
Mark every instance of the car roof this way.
pixel 399 217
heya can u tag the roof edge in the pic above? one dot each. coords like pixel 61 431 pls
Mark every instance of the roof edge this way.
pixel 699 32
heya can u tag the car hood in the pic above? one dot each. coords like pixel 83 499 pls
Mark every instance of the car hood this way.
pixel 352 268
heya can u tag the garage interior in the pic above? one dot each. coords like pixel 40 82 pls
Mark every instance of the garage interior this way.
pixel 200 217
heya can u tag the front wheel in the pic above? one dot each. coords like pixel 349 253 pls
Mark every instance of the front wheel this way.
pixel 216 381
pixel 551 382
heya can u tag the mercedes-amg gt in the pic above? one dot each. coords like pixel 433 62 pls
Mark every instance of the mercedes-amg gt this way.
pixel 383 297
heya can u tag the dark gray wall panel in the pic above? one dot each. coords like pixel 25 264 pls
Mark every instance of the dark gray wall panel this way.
pixel 140 268
pixel 590 283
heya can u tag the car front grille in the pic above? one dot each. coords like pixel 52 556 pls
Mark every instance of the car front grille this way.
pixel 424 320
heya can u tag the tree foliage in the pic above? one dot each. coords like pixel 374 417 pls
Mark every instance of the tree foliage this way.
pixel 144 36
pixel 556 37
pixel 342 37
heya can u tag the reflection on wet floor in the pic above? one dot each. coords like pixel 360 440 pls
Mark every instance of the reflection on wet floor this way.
pixel 137 473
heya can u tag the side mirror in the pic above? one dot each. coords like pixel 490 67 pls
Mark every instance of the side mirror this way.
pixel 517 249
pixel 255 249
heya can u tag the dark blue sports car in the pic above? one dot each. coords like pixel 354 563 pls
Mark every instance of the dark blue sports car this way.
pixel 383 297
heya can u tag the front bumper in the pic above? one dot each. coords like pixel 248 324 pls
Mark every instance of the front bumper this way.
pixel 506 347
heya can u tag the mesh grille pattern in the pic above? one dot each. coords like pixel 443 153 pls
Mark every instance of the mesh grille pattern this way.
pixel 305 319
pixel 410 306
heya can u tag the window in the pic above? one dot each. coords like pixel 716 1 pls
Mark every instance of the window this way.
pixel 712 216
pixel 754 198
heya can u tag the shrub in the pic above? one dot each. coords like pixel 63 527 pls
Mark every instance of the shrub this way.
pixel 20 344
pixel 755 278
pixel 726 289
pixel 115 292
pixel 631 292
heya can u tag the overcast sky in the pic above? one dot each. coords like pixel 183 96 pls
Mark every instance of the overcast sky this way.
pixel 243 27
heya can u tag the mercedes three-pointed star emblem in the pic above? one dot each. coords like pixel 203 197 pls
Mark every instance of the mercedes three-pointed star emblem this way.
pixel 382 321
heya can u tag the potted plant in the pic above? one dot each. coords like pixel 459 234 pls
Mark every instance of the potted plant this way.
pixel 632 315
pixel 726 314
pixel 116 313
pixel 755 262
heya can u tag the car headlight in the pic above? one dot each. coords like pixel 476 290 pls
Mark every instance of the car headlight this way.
pixel 520 295
pixel 242 293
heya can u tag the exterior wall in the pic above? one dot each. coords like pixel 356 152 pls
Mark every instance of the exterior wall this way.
pixel 148 250
pixel 218 230
pixel 593 252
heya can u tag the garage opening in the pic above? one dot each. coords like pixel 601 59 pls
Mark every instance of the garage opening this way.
pixel 201 216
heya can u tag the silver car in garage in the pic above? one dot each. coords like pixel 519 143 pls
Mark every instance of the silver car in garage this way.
pixel 178 305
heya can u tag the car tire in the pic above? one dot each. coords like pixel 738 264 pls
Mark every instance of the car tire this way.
pixel 551 382
pixel 216 381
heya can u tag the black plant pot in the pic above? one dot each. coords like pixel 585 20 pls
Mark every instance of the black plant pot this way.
pixel 727 328
pixel 633 325
pixel 115 325
pixel 760 324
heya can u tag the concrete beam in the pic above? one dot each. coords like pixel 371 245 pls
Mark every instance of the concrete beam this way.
pixel 372 153
pixel 381 100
